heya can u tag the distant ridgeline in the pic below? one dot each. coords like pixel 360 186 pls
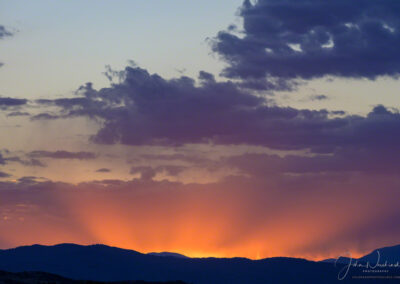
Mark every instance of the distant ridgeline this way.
pixel 103 263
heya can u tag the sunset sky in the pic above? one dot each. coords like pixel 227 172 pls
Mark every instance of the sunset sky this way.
pixel 208 128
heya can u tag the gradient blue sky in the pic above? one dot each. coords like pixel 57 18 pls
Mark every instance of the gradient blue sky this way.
pixel 61 44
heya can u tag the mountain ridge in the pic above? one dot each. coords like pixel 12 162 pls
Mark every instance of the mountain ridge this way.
pixel 104 263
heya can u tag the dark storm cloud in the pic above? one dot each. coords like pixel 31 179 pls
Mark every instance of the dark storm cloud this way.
pixel 313 38
pixel 63 155
pixel 145 109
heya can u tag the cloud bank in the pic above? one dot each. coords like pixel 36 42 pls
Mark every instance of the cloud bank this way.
pixel 146 109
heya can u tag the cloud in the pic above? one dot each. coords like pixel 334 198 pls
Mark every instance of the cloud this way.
pixel 313 38
pixel 340 161
pixel 44 116
pixel 148 173
pixel 31 162
pixel 103 170
pixel 4 175
pixel 4 32
pixel 63 155
pixel 29 180
pixel 318 97
pixel 191 158
pixel 146 109
pixel 18 113
pixel 68 103
pixel 171 170
pixel 6 102
pixel 2 160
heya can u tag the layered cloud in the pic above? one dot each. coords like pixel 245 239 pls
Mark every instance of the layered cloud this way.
pixel 313 38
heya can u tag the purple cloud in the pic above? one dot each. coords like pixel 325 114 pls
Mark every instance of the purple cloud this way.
pixel 145 109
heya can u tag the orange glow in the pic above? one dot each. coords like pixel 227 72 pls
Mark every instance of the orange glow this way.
pixel 202 221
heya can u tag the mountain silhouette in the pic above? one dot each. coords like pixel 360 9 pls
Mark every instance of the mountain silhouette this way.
pixel 104 263
pixel 386 254
pixel 389 254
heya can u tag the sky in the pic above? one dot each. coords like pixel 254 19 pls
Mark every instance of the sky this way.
pixel 208 128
